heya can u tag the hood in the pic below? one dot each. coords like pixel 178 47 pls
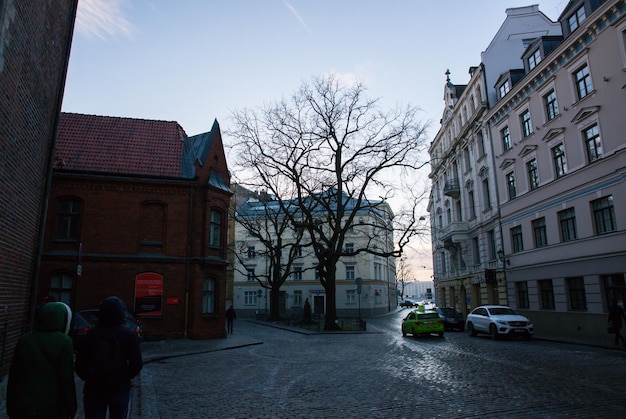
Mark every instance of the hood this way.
pixel 111 312
pixel 54 317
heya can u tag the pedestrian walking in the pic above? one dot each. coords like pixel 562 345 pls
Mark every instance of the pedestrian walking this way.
pixel 306 312
pixel 41 377
pixel 616 314
pixel 230 318
pixel 108 361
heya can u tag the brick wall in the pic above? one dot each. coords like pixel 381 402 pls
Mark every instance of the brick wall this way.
pixel 35 37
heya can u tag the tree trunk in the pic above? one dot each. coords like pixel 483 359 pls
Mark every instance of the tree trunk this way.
pixel 275 303
pixel 331 298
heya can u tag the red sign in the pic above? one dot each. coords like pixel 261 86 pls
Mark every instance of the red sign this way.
pixel 171 300
pixel 149 294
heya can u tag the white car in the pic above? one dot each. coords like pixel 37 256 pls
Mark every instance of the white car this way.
pixel 498 321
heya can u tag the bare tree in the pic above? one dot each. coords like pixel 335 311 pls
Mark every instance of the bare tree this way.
pixel 328 148
pixel 404 275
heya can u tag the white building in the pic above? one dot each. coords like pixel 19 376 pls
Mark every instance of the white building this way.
pixel 378 274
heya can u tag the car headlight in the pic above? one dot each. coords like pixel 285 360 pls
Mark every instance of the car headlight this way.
pixel 502 322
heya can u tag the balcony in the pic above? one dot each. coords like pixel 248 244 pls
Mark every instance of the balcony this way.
pixel 452 188
pixel 454 233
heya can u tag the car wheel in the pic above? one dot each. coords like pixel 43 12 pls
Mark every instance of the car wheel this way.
pixel 493 331
pixel 440 334
pixel 528 336
pixel 470 330
pixel 403 332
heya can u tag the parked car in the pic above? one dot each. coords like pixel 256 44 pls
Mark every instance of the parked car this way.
pixel 408 303
pixel 132 321
pixel 452 319
pixel 79 329
pixel 419 323
pixel 498 321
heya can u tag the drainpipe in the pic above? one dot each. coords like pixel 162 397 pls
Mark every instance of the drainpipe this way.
pixel 49 166
pixel 188 260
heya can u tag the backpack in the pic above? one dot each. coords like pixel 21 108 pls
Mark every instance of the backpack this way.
pixel 107 366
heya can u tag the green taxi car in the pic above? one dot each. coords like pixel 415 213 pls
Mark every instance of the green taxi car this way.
pixel 419 323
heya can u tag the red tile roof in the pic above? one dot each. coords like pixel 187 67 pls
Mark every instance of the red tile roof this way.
pixel 107 144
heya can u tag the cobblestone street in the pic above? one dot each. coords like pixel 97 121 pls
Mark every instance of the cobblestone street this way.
pixel 381 374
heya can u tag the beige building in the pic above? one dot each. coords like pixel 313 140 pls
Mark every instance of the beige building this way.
pixel 463 207
pixel 559 144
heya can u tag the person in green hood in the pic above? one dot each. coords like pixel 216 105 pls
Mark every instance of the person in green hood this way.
pixel 41 378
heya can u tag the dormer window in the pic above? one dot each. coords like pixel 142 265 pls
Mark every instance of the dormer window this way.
pixel 534 59
pixel 576 19
pixel 504 88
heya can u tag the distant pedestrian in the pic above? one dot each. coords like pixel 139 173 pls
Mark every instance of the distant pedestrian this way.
pixel 41 378
pixel 616 314
pixel 230 318
pixel 306 312
pixel 108 361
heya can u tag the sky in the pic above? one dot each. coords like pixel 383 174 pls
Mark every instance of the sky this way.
pixel 194 61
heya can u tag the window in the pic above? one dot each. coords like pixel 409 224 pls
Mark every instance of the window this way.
pixel 534 59
pixel 296 274
pixel 576 290
pixel 481 143
pixel 614 288
pixel 567 221
pixel 504 88
pixel 467 158
pixel 539 232
pixel 472 205
pixel 560 164
pixel 250 276
pixel 576 19
pixel 582 79
pixel 61 287
pixel 251 253
pixel 516 239
pixel 215 229
pixel 510 183
pixel 297 298
pixel 604 215
pixel 350 296
pixel 506 138
pixel 350 273
pixel 552 106
pixel 491 236
pixel 378 271
pixel 349 247
pixel 533 175
pixel 152 224
pixel 547 294
pixel 593 143
pixel 299 251
pixel 476 250
pixel 208 296
pixel 249 298
pixel 527 127
pixel 486 196
pixel 522 294
pixel 67 219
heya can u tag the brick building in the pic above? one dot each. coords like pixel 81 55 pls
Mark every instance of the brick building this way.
pixel 35 39
pixel 139 210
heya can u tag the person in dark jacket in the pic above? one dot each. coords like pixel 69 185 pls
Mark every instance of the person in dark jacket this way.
pixel 41 377
pixel 616 314
pixel 108 361
pixel 231 315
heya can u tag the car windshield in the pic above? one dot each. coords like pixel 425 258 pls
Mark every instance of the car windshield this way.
pixel 428 316
pixel 449 312
pixel 499 311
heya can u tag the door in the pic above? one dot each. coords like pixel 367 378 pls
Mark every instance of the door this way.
pixel 318 305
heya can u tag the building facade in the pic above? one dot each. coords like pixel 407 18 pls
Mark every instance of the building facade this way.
pixel 139 210
pixel 560 162
pixel 463 206
pixel 35 40
pixel 377 293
